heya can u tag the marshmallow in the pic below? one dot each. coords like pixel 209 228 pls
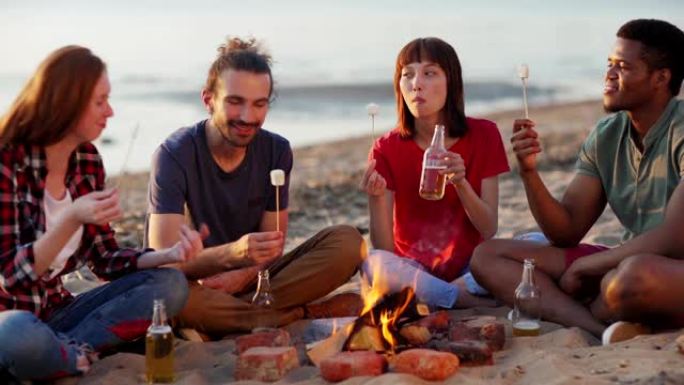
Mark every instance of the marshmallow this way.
pixel 523 71
pixel 372 108
pixel 278 177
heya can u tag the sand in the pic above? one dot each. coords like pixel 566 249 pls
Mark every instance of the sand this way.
pixel 324 192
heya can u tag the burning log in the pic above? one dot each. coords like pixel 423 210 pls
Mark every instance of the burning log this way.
pixel 416 335
pixel 388 314
pixel 366 338
pixel 426 364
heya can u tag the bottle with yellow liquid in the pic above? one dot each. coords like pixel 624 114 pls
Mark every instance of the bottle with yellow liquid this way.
pixel 432 183
pixel 527 312
pixel 263 298
pixel 159 347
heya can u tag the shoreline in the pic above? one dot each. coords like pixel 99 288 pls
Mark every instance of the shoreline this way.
pixel 325 176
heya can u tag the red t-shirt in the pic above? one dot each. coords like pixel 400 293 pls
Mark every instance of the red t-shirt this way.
pixel 438 234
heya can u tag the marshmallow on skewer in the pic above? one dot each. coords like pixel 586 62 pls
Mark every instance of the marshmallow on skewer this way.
pixel 278 177
pixel 372 109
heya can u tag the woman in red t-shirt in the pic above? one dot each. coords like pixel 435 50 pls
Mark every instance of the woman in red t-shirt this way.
pixel 434 238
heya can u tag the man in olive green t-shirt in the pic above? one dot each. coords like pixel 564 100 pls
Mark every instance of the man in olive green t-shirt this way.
pixel 633 161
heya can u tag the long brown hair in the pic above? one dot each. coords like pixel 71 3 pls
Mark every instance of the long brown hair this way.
pixel 53 99
pixel 439 52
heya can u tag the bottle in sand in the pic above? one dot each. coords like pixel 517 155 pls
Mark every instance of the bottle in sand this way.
pixel 527 311
pixel 263 297
pixel 159 347
pixel 432 183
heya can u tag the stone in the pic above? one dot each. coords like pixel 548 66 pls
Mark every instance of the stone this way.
pixel 427 364
pixel 436 322
pixel 351 364
pixel 469 352
pixel 262 337
pixel 267 364
pixel 482 328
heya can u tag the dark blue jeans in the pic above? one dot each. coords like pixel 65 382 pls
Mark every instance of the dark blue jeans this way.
pixel 102 318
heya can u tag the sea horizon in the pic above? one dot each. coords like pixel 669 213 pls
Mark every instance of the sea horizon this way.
pixel 330 59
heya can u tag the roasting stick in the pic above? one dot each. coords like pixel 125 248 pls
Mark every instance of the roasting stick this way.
pixel 524 73
pixel 122 170
pixel 373 110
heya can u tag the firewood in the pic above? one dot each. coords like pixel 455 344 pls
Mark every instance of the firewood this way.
pixel 416 335
pixel 367 338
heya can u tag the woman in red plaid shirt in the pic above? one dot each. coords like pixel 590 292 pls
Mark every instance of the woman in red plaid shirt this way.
pixel 54 219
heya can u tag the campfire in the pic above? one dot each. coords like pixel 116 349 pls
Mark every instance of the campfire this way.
pixel 393 331
pixel 382 327
pixel 395 328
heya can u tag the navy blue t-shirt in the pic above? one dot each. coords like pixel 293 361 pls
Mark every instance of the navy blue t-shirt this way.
pixel 231 204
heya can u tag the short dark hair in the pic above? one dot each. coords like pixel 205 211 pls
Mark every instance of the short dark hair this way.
pixel 663 46
pixel 241 55
pixel 443 54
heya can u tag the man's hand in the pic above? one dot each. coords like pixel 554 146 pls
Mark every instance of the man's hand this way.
pixel 257 248
pixel 97 208
pixel 525 143
pixel 572 281
pixel 189 245
pixel 372 182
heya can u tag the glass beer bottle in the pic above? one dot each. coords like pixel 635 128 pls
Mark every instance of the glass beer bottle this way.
pixel 527 311
pixel 432 183
pixel 263 297
pixel 159 347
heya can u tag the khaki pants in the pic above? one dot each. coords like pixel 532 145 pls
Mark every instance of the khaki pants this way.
pixel 309 272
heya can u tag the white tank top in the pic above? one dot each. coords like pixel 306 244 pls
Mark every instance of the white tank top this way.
pixel 53 208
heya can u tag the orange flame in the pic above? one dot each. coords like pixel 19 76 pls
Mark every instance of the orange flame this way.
pixel 386 321
pixel 377 289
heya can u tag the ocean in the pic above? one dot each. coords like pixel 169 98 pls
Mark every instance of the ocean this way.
pixel 331 58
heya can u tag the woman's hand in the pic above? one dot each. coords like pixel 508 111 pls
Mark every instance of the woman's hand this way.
pixel 455 168
pixel 97 208
pixel 372 182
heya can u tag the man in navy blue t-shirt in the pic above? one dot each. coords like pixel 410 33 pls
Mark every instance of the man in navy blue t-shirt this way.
pixel 216 174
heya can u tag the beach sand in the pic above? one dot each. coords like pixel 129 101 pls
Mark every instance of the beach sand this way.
pixel 324 192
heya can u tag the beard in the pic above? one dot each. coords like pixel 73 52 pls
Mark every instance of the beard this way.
pixel 235 140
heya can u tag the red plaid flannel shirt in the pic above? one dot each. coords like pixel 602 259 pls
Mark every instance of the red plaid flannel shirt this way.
pixel 22 221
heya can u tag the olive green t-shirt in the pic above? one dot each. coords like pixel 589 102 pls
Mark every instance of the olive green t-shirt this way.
pixel 637 184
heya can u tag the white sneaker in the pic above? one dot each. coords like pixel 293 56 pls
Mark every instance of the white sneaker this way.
pixel 622 331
